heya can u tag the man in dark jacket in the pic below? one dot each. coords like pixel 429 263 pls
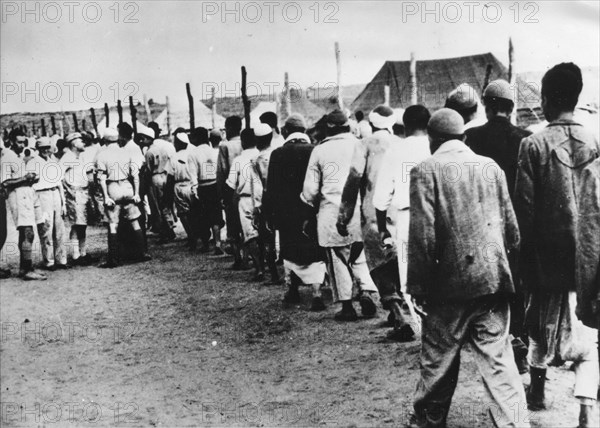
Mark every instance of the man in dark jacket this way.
pixel 462 230
pixel 500 140
pixel 283 209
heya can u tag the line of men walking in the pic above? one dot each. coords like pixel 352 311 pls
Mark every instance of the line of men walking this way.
pixel 492 231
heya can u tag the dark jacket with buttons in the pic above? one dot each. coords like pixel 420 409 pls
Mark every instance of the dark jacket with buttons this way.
pixel 462 226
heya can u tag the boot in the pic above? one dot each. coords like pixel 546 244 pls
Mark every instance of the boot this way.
pixel 292 296
pixel 401 331
pixel 140 247
pixel 348 313
pixel 112 259
pixel 367 305
pixel 535 391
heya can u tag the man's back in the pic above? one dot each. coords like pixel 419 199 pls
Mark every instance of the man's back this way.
pixel 461 226
pixel 500 140
pixel 548 183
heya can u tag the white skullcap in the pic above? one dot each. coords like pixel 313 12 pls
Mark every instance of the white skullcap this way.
pixel 144 130
pixel 110 134
pixel 262 129
pixel 382 117
pixel 183 137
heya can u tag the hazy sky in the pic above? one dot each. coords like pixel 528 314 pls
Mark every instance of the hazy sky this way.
pixel 68 65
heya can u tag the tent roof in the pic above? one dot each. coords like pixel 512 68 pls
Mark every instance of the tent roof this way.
pixel 181 118
pixel 436 78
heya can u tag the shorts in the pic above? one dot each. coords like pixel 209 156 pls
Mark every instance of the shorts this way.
pixel 21 202
pixel 122 193
pixel 245 209
pixel 184 197
pixel 76 199
pixel 211 213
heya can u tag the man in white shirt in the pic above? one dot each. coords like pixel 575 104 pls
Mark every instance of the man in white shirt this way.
pixel 49 205
pixel 240 181
pixel 270 118
pixel 16 184
pixel 120 186
pixel 77 174
pixel 328 168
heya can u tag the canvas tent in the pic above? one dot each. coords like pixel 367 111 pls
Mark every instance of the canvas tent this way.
pixel 180 116
pixel 435 79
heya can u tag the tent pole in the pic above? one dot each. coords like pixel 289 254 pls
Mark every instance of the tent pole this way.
pixel 512 79
pixel 413 79
pixel 338 63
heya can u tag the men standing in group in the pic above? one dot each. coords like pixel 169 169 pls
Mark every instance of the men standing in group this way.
pixel 302 257
pixel 382 261
pixel 240 182
pixel 260 172
pixel 205 158
pixel 119 180
pixel 548 184
pixel 462 229
pixel 185 182
pixel 271 119
pixel 228 151
pixel 16 184
pixel 49 205
pixel 328 168
pixel 158 164
pixel 77 170
pixel 500 140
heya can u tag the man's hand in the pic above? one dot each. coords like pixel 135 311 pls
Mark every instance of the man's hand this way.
pixel 136 199
pixel 109 202
pixel 342 228
pixel 385 238
pixel 63 210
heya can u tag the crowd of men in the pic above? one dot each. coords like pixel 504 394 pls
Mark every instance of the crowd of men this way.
pixel 493 232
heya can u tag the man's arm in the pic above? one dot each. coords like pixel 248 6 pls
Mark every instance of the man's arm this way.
pixel 311 190
pixel 352 187
pixel 222 171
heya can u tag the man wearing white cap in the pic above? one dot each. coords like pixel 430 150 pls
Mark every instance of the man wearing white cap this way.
pixel 77 174
pixel 462 229
pixel 158 163
pixel 120 185
pixel 303 259
pixel 382 261
pixel 16 184
pixel 241 182
pixel 328 169
pixel 49 205
pixel 465 101
pixel 185 181
pixel 260 169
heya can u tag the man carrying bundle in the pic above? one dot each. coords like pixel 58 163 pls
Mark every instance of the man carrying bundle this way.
pixel 119 180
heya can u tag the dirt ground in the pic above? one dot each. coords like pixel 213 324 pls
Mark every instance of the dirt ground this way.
pixel 185 341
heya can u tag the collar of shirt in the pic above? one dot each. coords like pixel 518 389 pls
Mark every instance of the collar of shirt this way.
pixel 452 146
